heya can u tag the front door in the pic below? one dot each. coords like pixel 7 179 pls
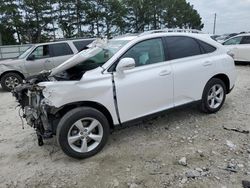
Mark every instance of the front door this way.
pixel 147 88
pixel 39 60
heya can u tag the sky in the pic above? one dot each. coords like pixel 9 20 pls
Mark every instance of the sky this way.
pixel 232 15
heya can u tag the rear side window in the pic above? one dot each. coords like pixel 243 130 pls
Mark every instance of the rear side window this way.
pixel 246 40
pixel 60 49
pixel 180 47
pixel 206 48
pixel 80 45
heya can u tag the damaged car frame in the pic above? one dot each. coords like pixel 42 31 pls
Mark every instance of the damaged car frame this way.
pixel 123 80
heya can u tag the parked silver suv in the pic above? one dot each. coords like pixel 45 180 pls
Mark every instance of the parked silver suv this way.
pixel 37 58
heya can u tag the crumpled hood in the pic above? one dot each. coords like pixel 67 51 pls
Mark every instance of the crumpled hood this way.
pixel 93 48
pixel 78 58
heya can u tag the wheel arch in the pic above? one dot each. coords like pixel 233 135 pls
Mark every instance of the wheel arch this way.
pixel 67 107
pixel 12 71
pixel 223 77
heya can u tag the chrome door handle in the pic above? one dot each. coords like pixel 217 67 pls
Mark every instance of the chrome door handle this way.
pixel 47 61
pixel 165 72
pixel 207 63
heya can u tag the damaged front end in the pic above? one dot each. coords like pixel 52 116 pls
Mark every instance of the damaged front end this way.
pixel 33 104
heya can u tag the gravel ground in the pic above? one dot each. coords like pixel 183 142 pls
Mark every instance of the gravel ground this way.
pixel 146 155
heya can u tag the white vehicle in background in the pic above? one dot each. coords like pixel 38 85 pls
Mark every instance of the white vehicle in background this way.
pixel 37 58
pixel 124 80
pixel 240 47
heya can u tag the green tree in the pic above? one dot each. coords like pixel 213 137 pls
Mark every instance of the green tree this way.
pixel 7 35
pixel 38 20
pixel 138 15
pixel 180 14
pixel 11 18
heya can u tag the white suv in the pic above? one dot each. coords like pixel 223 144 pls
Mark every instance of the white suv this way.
pixel 123 80
pixel 240 46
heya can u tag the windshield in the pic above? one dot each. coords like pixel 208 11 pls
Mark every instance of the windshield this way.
pixel 97 57
pixel 98 53
pixel 25 53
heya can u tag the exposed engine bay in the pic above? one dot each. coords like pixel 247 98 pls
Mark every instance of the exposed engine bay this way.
pixel 30 98
pixel 35 109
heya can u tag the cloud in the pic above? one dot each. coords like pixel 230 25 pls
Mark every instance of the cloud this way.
pixel 232 15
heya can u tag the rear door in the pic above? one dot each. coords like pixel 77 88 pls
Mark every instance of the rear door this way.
pixel 192 67
pixel 39 59
pixel 60 53
pixel 244 49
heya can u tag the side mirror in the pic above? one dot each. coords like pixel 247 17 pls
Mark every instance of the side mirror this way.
pixel 125 64
pixel 31 57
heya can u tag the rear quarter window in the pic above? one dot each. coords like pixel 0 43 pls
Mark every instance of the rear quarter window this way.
pixel 60 49
pixel 206 48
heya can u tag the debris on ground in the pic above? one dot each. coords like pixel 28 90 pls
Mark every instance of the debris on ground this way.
pixel 183 161
pixel 231 145
pixel 197 172
pixel 232 166
pixel 237 130
pixel 200 153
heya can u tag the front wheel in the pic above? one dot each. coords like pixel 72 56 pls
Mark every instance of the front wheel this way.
pixel 82 132
pixel 214 96
pixel 10 80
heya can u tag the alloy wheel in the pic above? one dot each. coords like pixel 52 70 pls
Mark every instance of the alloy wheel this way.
pixel 215 96
pixel 85 135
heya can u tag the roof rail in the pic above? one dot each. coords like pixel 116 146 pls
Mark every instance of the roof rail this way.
pixel 70 39
pixel 171 30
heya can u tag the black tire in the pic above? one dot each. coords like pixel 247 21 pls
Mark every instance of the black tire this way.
pixel 72 117
pixel 16 76
pixel 205 106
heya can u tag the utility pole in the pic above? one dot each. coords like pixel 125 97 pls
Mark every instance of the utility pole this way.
pixel 214 23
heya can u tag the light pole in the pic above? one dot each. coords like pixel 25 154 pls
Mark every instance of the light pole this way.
pixel 214 23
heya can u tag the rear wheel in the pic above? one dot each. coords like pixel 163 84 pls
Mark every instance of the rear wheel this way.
pixel 214 96
pixel 10 80
pixel 82 132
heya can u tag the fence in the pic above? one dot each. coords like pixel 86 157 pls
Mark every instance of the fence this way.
pixel 12 51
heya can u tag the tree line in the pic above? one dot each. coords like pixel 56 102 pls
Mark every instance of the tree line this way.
pixel 33 21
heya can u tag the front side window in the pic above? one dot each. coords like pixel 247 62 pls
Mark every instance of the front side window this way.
pixel 246 40
pixel 41 52
pixel 180 47
pixel 146 52
pixel 60 49
pixel 233 41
